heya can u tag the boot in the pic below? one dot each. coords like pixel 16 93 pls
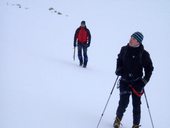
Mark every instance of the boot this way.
pixel 81 63
pixel 135 126
pixel 85 64
pixel 116 123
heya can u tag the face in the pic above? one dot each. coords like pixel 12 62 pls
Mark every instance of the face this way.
pixel 133 42
pixel 83 25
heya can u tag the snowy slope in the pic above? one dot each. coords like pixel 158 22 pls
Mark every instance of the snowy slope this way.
pixel 40 84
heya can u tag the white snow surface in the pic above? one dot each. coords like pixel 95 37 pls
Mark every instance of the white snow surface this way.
pixel 42 87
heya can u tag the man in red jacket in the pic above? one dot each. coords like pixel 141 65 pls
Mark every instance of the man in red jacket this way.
pixel 82 39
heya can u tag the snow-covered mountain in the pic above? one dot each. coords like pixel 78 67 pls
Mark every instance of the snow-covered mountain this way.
pixel 40 84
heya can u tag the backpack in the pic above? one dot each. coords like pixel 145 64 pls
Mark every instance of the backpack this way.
pixel 82 35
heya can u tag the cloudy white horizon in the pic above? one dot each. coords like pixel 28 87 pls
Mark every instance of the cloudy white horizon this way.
pixel 42 87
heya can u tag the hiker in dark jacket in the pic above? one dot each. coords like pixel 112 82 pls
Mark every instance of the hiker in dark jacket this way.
pixel 82 39
pixel 132 60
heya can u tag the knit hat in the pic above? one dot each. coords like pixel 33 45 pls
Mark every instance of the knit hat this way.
pixel 83 22
pixel 138 36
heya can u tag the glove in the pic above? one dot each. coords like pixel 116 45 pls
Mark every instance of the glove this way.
pixel 74 44
pixel 119 71
pixel 88 45
pixel 144 81
pixel 139 84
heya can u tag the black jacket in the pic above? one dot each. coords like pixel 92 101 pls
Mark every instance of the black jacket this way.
pixel 131 63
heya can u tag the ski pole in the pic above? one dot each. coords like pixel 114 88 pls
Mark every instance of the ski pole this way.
pixel 107 102
pixel 74 53
pixel 148 109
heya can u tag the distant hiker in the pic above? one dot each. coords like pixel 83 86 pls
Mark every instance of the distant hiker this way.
pixel 132 60
pixel 82 39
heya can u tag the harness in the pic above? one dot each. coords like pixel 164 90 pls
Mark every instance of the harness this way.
pixel 139 94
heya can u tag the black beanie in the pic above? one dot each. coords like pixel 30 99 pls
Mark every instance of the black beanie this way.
pixel 83 22
pixel 138 36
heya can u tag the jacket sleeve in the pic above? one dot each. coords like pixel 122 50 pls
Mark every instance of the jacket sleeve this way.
pixel 119 65
pixel 89 36
pixel 148 66
pixel 75 35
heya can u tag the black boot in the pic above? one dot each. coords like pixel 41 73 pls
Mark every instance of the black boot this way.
pixel 85 64
pixel 81 63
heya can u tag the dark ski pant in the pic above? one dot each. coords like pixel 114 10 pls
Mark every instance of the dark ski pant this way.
pixel 83 58
pixel 125 93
